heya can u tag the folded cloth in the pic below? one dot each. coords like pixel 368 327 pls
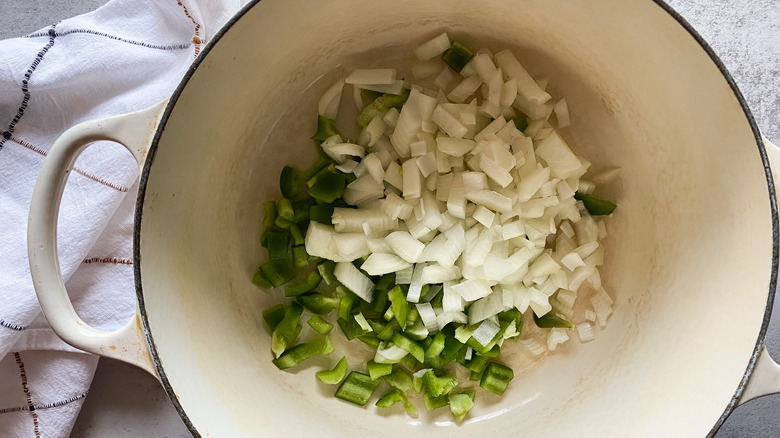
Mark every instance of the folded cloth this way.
pixel 125 56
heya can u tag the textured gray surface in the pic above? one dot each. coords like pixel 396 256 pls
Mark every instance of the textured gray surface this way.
pixel 126 402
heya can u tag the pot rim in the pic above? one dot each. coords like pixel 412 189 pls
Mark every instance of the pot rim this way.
pixel 760 341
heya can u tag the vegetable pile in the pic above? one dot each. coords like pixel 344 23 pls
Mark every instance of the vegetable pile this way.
pixel 458 216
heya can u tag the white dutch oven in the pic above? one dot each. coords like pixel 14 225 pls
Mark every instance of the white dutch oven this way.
pixel 692 257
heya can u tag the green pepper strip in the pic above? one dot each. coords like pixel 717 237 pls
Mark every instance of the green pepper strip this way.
pixel 370 339
pixel 596 207
pixel 432 402
pixel 457 56
pixel 321 213
pixel 351 328
pixel 521 123
pixel 381 105
pixel 328 187
pixel 477 363
pixel 312 281
pixel 399 378
pixel 300 256
pixel 334 376
pixel 348 300
pixel 379 303
pixel 268 220
pixel 260 281
pixel 325 128
pixel 297 235
pixel 377 370
pixel 273 315
pixel 398 305
pixel 496 378
pixel 295 355
pixel 394 397
pixel 326 269
pixel 278 272
pixel 461 403
pixel 390 399
pixel 436 347
pixel 550 320
pixel 320 325
pixel 357 388
pixel 285 210
pixel 329 169
pixel 409 345
pixel 288 182
pixel 388 331
pixel 278 245
pixel 451 348
pixel 318 304
pixel 287 329
pixel 438 386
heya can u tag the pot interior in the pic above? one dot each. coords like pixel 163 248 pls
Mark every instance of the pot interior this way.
pixel 688 257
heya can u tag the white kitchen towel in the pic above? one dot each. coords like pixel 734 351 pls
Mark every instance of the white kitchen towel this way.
pixel 125 56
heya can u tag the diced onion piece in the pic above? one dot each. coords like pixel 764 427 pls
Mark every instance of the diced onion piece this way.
pixel 432 48
pixel 374 167
pixel 318 240
pixel 348 166
pixel 427 164
pixel 339 151
pixel 405 246
pixel 491 200
pixel 485 332
pixel 585 332
pixel 531 183
pixel 486 307
pixel 561 110
pixel 444 78
pixel 454 146
pixel 347 247
pixel 562 161
pixel 418 108
pixel 393 175
pixel 394 87
pixel 381 264
pixel 434 274
pixel 472 290
pixel 448 123
pixel 602 305
pixel 556 336
pixel 412 180
pixel 428 316
pixel 349 220
pixel 378 244
pixel 526 86
pixel 354 280
pixel 572 261
pixel 484 216
pixel 418 148
pixel 464 89
pixel 328 105
pixel 494 171
pixel 391 354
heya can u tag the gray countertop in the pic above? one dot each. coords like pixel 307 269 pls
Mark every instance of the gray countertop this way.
pixel 127 402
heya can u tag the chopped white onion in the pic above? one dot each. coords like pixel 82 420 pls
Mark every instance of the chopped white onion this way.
pixel 585 332
pixel 354 280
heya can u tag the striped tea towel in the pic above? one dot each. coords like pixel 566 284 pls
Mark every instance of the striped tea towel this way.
pixel 125 56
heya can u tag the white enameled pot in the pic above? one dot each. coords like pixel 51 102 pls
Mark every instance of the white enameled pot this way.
pixel 692 255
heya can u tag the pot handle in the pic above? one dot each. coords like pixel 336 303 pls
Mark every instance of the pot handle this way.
pixel 765 378
pixel 135 132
